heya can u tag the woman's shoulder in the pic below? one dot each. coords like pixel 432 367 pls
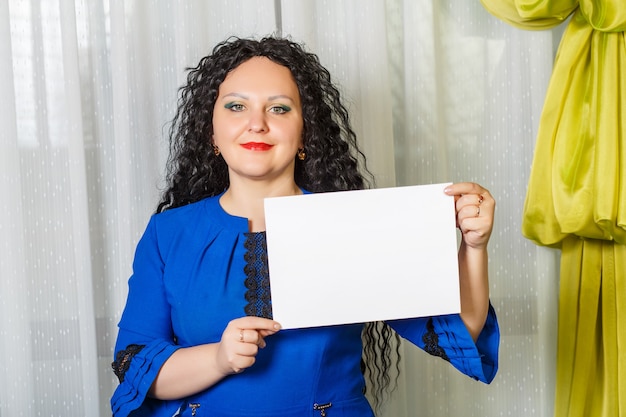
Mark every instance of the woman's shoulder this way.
pixel 177 216
pixel 183 212
pixel 195 217
pixel 184 226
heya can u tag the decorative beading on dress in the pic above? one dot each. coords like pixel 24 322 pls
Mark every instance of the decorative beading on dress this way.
pixel 122 360
pixel 431 342
pixel 257 280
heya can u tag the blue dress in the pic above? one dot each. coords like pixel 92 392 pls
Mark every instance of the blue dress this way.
pixel 189 280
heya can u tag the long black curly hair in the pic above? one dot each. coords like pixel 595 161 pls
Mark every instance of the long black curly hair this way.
pixel 333 160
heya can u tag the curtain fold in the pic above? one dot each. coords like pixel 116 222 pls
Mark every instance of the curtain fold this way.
pixel 590 364
pixel 363 73
pixel 85 312
pixel 576 197
pixel 13 257
pixel 531 14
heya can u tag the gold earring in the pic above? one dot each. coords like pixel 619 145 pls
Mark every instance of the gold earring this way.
pixel 216 150
pixel 301 154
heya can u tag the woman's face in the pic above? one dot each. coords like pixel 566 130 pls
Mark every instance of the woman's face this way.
pixel 257 121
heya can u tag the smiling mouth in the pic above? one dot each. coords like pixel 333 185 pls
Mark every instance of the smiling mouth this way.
pixel 257 146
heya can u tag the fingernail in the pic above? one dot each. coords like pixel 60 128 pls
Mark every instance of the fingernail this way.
pixel 277 326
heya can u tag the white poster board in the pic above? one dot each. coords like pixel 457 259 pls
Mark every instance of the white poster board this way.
pixel 359 256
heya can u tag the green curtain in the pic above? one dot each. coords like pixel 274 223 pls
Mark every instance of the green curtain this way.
pixel 576 197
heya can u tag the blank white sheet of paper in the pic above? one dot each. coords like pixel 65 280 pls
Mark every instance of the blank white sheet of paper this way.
pixel 359 256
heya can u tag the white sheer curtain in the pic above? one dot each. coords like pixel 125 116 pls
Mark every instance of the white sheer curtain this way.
pixel 438 89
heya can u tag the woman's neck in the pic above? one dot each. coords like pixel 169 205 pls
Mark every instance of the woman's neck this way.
pixel 246 199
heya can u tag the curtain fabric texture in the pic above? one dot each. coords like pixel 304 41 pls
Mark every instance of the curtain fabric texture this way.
pixel 576 197
pixel 438 91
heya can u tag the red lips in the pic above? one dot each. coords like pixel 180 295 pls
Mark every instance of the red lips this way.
pixel 257 146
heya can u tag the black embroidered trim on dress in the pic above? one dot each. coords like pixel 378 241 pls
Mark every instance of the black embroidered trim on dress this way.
pixel 431 342
pixel 257 280
pixel 122 360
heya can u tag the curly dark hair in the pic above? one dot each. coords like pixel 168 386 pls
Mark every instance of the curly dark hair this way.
pixel 333 161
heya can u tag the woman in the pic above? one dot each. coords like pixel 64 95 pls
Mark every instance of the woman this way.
pixel 261 119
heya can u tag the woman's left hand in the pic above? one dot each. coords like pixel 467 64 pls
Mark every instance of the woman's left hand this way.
pixel 474 212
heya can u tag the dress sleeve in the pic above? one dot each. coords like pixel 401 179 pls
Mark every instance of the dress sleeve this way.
pixel 139 371
pixel 447 337
pixel 145 339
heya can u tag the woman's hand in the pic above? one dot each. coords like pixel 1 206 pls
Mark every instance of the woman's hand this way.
pixel 474 213
pixel 193 369
pixel 474 217
pixel 241 341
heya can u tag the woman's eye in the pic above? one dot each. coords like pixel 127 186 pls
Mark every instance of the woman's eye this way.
pixel 234 106
pixel 279 109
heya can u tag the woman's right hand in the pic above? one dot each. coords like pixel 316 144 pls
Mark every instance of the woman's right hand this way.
pixel 241 341
pixel 195 368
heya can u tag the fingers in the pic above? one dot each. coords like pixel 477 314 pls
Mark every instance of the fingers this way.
pixel 474 212
pixel 468 189
pixel 241 341
pixel 471 200
pixel 253 329
pixel 251 336
pixel 262 326
pixel 461 188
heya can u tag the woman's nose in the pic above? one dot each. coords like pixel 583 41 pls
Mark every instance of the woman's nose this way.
pixel 257 122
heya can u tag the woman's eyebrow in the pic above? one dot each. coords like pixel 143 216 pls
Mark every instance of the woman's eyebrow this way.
pixel 239 95
pixel 280 96
pixel 270 98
